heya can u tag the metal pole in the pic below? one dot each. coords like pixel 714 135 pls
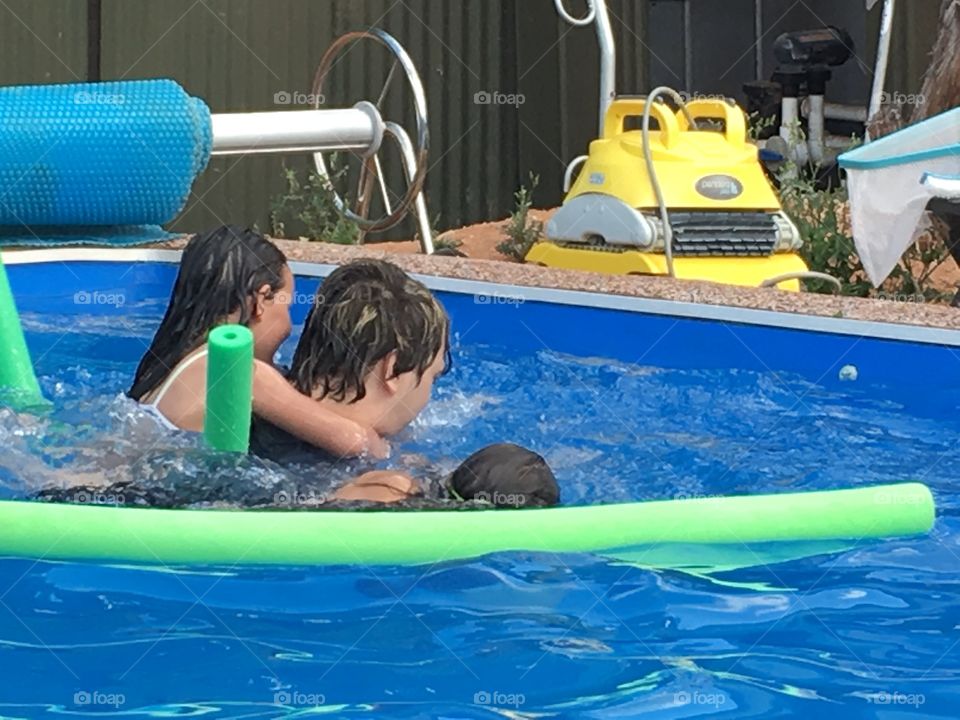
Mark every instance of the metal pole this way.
pixel 883 57
pixel 608 60
pixel 359 128
pixel 597 13
pixel 409 159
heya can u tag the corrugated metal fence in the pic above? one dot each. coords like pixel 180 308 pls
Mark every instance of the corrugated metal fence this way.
pixel 239 54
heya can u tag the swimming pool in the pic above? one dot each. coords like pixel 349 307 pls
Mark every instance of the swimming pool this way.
pixel 627 399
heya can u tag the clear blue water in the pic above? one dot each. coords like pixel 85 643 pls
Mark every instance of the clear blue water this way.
pixel 870 631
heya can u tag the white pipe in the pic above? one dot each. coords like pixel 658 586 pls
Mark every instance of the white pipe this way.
pixel 839 142
pixel 788 118
pixel 837 111
pixel 883 57
pixel 791 143
pixel 815 128
pixel 359 128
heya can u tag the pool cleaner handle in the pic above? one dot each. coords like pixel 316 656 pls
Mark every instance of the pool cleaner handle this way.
pixel 18 382
pixel 226 424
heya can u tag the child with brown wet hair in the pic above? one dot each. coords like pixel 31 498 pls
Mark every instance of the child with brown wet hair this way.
pixel 371 348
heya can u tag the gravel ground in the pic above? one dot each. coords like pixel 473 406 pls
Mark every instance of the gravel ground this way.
pixel 909 313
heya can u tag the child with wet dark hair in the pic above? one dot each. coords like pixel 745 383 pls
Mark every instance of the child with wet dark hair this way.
pixel 235 275
pixel 499 476
pixel 372 346
pixel 506 476
pixel 502 476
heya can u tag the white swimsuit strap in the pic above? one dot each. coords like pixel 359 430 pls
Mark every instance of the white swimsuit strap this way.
pixel 177 372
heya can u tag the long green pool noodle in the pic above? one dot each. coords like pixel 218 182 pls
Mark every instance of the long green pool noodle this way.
pixel 226 424
pixel 399 537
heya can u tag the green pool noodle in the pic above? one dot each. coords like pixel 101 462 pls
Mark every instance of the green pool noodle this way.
pixel 18 381
pixel 226 424
pixel 407 537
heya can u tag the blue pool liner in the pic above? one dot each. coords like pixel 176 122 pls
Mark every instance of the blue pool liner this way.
pixel 114 236
pixel 99 162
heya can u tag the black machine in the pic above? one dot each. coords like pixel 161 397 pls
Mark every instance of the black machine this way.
pixel 805 128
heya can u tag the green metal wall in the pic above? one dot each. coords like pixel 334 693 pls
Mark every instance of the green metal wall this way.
pixel 43 41
pixel 238 54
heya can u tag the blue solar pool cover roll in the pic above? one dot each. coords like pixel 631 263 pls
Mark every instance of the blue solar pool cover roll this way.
pixel 100 154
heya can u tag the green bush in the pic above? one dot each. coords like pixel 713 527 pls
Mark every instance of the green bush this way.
pixel 522 232
pixel 822 216
pixel 307 209
pixel 446 242
pixel 828 247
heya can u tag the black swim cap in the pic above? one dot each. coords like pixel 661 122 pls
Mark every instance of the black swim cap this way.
pixel 507 476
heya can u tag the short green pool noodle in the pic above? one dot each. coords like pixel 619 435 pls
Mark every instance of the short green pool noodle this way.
pixel 226 424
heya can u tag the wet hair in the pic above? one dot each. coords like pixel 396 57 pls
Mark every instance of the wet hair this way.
pixel 220 272
pixel 364 311
pixel 506 476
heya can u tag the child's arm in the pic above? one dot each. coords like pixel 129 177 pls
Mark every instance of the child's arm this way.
pixel 276 401
pixel 379 486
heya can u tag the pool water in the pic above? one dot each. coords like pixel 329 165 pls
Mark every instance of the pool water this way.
pixel 868 631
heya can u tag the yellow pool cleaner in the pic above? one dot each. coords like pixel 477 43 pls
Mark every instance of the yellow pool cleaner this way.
pixel 686 197
pixel 705 198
